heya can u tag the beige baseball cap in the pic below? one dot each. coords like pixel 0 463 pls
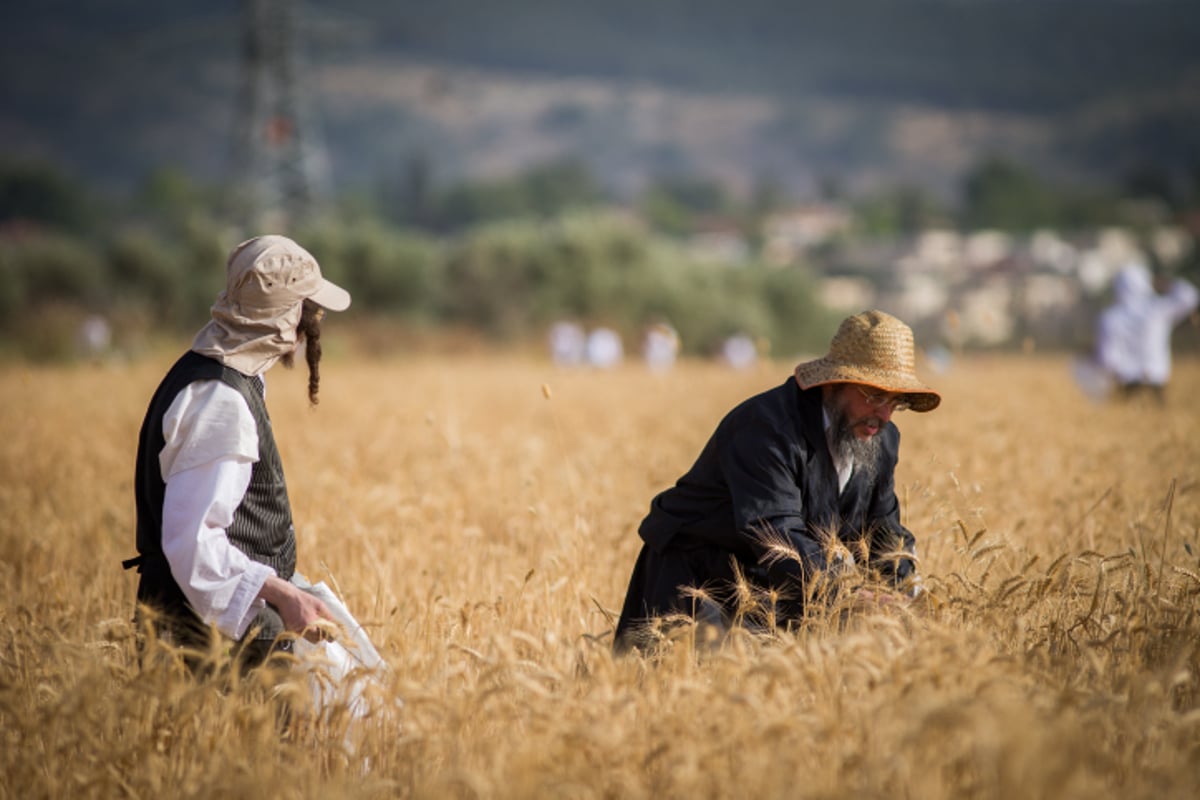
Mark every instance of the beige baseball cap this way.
pixel 271 272
pixel 254 319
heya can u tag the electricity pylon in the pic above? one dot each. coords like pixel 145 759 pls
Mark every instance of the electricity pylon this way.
pixel 280 167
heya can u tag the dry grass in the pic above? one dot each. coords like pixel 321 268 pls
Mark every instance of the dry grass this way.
pixel 484 532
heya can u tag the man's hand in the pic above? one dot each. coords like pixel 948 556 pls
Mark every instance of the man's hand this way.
pixel 300 611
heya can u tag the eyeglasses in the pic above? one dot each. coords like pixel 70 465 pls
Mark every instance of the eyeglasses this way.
pixel 881 399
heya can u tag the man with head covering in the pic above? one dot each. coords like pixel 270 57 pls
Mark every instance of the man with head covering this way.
pixel 795 483
pixel 1133 335
pixel 216 544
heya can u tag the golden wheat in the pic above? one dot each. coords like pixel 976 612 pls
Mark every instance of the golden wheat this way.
pixel 477 513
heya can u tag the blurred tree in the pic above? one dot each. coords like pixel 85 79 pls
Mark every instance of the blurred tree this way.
pixel 58 267
pixel 13 289
pixel 171 200
pixel 664 213
pixel 41 193
pixel 148 273
pixel 829 188
pixel 51 281
pixel 1149 181
pixel 560 187
pixel 402 197
pixel 1084 208
pixel 799 323
pixel 416 192
pixel 1177 190
pixel 998 193
pixel 487 271
pixel 387 270
pixel 474 203
pixel 899 210
pixel 512 279
pixel 766 196
pixel 546 190
pixel 672 204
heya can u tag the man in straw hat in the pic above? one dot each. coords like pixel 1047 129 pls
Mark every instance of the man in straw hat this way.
pixel 216 545
pixel 796 483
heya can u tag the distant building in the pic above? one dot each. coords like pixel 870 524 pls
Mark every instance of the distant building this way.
pixel 719 240
pixel 921 297
pixel 986 313
pixel 1051 307
pixel 983 249
pixel 990 288
pixel 933 252
pixel 787 235
pixel 1048 249
pixel 846 293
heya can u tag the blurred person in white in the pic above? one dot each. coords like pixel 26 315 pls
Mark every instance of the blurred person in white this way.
pixel 660 347
pixel 1133 335
pixel 795 482
pixel 604 348
pixel 568 344
pixel 215 539
pixel 739 351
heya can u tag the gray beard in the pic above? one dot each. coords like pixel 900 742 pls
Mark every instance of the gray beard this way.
pixel 846 446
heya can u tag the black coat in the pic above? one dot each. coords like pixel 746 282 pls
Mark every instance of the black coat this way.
pixel 767 466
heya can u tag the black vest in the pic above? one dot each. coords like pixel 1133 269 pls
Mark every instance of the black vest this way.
pixel 262 524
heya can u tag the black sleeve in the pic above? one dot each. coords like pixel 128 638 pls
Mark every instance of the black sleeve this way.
pixel 760 467
pixel 890 540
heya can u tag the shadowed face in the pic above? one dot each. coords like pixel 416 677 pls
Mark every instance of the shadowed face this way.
pixel 856 415
pixel 863 410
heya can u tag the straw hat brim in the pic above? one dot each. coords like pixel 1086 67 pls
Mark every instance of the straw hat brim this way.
pixel 822 371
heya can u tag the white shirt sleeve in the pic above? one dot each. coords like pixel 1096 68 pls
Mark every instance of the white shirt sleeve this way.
pixel 208 420
pixel 211 447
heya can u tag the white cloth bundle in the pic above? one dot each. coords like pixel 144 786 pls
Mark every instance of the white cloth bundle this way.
pixel 339 670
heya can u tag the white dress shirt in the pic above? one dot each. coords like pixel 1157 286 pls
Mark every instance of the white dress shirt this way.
pixel 211 446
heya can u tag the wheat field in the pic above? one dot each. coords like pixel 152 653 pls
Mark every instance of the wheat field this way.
pixel 478 512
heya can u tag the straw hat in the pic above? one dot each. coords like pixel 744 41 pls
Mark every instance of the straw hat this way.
pixel 873 349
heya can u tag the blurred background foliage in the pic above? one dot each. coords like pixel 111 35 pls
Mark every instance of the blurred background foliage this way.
pixel 505 259
pixel 490 169
pixel 501 258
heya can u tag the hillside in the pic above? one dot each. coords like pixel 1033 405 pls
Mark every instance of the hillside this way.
pixel 866 91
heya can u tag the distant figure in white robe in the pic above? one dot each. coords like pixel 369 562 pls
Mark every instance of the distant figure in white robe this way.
pixel 1133 335
pixel 739 351
pixel 660 347
pixel 604 348
pixel 568 344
